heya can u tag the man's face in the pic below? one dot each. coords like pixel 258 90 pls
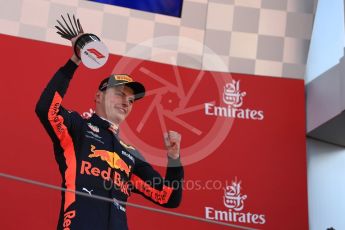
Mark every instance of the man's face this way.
pixel 117 103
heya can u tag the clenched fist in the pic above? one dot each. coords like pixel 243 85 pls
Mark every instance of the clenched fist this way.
pixel 172 142
pixel 74 58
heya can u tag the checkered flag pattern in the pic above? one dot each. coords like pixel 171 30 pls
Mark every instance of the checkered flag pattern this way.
pixel 262 37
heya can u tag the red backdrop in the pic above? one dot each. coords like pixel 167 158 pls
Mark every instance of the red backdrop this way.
pixel 261 159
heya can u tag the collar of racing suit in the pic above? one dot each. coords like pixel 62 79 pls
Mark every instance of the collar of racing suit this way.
pixel 104 123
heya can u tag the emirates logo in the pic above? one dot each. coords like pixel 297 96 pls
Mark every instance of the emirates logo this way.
pixel 234 211
pixel 233 199
pixel 232 94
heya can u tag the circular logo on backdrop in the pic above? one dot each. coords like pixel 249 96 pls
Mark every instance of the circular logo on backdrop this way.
pixel 175 99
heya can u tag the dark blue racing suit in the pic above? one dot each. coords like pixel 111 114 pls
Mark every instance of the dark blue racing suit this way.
pixel 92 159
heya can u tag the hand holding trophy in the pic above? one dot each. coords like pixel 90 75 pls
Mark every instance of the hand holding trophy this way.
pixel 88 47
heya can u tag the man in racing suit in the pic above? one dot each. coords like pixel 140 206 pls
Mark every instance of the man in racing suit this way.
pixel 93 159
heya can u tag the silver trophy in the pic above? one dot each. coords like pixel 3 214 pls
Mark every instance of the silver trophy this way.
pixel 88 47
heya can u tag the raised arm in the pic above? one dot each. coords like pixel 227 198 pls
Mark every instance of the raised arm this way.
pixel 48 108
pixel 166 192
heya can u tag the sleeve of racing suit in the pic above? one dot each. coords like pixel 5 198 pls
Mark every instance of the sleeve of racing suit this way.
pixel 166 192
pixel 48 108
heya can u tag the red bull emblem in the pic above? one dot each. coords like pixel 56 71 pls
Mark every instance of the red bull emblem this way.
pixel 112 158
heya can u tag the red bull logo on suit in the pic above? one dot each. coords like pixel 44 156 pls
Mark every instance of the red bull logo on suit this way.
pixel 112 158
pixel 114 161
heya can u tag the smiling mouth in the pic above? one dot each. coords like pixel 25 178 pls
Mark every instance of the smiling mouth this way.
pixel 122 110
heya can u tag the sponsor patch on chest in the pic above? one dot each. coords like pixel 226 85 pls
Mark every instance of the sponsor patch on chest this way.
pixel 93 127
